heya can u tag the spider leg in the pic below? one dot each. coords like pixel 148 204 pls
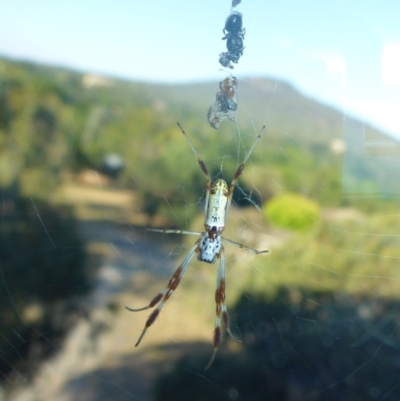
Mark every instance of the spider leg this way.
pixel 165 294
pixel 247 248
pixel 171 231
pixel 239 172
pixel 202 166
pixel 220 307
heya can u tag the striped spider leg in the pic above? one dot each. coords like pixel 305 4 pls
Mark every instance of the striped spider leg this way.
pixel 208 248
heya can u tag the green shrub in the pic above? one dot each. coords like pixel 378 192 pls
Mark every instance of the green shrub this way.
pixel 292 211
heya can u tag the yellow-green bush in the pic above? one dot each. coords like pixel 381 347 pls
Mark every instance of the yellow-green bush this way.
pixel 292 211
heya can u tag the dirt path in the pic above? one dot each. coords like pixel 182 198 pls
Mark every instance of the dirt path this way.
pixel 98 360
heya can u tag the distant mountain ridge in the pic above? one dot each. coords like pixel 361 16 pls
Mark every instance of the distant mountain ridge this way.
pixel 138 120
pixel 268 100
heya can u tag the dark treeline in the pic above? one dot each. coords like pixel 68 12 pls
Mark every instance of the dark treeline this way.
pixel 300 345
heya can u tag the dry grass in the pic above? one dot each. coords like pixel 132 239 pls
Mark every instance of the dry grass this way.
pixel 92 202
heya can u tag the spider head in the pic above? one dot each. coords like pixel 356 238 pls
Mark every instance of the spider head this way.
pixel 209 247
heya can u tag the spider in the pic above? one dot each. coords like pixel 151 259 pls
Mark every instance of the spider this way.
pixel 208 248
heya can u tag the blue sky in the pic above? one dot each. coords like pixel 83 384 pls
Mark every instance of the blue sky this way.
pixel 344 53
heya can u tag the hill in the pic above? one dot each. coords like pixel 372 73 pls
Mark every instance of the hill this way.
pixel 53 120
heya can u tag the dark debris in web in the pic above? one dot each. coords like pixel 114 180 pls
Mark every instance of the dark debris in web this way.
pixel 234 36
pixel 225 104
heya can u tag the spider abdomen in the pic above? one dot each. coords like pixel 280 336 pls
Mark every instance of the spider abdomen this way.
pixel 209 247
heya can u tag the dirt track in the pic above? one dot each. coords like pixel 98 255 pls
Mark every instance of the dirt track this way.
pixel 98 360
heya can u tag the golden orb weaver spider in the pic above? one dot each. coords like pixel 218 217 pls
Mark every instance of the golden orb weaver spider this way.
pixel 208 247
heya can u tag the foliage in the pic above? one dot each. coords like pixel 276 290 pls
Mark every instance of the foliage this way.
pixel 333 257
pixel 292 211
pixel 42 272
pixel 52 120
pixel 298 345
pixel 303 309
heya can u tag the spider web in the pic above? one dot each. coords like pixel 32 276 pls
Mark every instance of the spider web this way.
pixel 318 317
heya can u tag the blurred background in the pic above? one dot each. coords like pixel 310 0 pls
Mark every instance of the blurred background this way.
pixel 90 155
